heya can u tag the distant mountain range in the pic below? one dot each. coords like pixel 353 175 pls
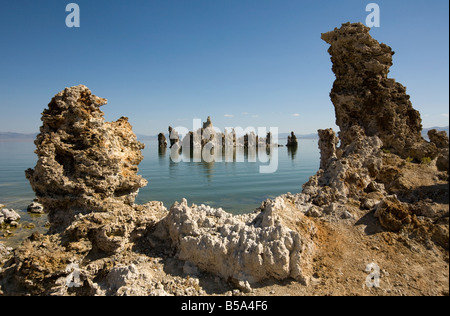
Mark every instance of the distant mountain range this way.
pixel 10 136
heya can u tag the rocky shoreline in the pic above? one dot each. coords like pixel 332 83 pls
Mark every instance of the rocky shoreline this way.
pixel 380 198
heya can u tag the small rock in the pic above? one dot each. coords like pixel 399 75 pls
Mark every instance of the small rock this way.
pixel 14 224
pixel 244 286
pixel 35 236
pixel 29 225
pixel 10 215
pixel 35 208
pixel 369 204
pixel 346 215
pixel 314 211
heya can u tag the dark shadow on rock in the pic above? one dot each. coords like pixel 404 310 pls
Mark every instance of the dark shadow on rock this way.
pixel 372 224
pixel 438 193
pixel 155 248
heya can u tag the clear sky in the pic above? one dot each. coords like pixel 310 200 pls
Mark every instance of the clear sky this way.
pixel 243 62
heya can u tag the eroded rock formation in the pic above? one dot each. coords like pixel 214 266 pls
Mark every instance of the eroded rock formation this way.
pixel 292 141
pixel 440 139
pixel 377 163
pixel 87 179
pixel 327 146
pixel 85 164
pixel 162 141
pixel 363 94
pixel 247 248
pixel 382 161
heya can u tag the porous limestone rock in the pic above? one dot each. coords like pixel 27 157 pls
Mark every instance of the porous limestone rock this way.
pixel 363 94
pixel 349 175
pixel 440 139
pixel 327 146
pixel 85 164
pixel 394 215
pixel 247 248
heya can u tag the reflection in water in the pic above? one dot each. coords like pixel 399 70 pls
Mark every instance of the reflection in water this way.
pixel 162 152
pixel 292 151
pixel 209 169
pixel 208 155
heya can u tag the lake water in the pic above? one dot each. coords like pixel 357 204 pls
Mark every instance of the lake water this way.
pixel 237 187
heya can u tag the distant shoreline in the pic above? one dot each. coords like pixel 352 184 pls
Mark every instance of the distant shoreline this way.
pixel 19 137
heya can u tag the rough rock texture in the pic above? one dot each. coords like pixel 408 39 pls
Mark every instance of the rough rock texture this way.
pixel 35 208
pixel 247 248
pixel 327 146
pixel 440 139
pixel 349 175
pixel 410 196
pixel 4 252
pixel 8 215
pixel 86 178
pixel 364 95
pixel 85 164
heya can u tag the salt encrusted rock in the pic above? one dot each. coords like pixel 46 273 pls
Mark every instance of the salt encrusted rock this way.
pixel 35 208
pixel 9 215
pixel 363 94
pixel 357 167
pixel 246 248
pixel 84 162
pixel 115 231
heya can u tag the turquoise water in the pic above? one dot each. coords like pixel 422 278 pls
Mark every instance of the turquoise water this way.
pixel 237 187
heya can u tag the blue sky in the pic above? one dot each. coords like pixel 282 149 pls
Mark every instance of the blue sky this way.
pixel 243 62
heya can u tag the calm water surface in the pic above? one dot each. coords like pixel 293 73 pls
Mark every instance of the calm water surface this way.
pixel 237 187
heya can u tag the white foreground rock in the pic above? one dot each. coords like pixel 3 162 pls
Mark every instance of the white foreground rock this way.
pixel 247 248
